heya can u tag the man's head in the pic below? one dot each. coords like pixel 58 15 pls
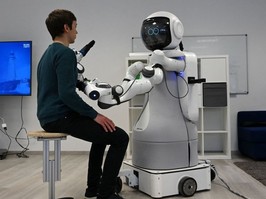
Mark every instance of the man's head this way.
pixel 58 21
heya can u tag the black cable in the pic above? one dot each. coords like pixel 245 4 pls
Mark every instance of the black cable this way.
pixel 144 106
pixel 177 97
pixel 5 132
pixel 146 101
pixel 226 185
pixel 10 141
pixel 24 149
pixel 129 87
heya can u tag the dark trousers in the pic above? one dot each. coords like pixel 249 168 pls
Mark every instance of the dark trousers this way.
pixel 100 180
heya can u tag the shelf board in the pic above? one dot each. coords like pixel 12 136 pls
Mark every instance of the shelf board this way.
pixel 135 107
pixel 213 132
pixel 215 156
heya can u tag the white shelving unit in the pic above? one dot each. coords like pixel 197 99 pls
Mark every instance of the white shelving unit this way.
pixel 214 121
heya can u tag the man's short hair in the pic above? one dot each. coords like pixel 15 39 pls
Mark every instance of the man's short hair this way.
pixel 57 19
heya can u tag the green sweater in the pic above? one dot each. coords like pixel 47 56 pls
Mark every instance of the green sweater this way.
pixel 57 78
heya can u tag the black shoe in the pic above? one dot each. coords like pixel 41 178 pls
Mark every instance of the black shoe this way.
pixel 90 194
pixel 113 196
pixel 90 197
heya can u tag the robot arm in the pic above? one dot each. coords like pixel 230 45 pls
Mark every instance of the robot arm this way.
pixel 151 75
pixel 108 95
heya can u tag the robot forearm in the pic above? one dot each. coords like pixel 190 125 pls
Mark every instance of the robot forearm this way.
pixel 133 88
pixel 108 96
pixel 95 89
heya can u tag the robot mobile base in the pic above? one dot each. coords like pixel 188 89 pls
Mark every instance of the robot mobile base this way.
pixel 162 183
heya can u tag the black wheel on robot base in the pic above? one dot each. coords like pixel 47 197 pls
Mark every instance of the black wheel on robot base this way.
pixel 187 186
pixel 118 185
pixel 213 173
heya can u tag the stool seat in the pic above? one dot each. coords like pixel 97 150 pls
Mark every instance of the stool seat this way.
pixel 44 134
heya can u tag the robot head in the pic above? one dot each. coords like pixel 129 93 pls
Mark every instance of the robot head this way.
pixel 162 30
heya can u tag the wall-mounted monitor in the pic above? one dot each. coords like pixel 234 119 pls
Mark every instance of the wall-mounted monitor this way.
pixel 15 68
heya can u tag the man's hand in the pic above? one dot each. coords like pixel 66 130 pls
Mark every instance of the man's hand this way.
pixel 105 122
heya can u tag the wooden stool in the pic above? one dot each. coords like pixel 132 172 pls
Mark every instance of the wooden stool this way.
pixel 51 167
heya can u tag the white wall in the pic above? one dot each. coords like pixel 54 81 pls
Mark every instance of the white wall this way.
pixel 112 24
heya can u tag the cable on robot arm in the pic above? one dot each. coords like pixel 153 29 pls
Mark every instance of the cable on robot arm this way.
pixel 133 71
pixel 179 75
pixel 149 75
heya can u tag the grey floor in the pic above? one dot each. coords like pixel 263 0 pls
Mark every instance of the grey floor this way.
pixel 21 178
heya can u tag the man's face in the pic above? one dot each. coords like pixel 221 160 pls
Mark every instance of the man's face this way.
pixel 72 34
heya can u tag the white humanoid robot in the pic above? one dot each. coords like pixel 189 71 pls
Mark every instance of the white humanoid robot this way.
pixel 165 151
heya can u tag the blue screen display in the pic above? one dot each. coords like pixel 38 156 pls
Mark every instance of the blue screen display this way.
pixel 15 67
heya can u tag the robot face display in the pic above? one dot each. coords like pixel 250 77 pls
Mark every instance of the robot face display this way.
pixel 156 33
pixel 161 30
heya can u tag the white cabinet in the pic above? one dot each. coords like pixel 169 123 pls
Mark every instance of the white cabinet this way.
pixel 214 108
pixel 214 114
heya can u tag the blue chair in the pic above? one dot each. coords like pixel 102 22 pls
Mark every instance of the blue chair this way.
pixel 251 129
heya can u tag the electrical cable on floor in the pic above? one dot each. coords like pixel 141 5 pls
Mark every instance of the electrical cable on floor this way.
pixel 24 149
pixel 9 144
pixel 21 154
pixel 226 185
pixel 16 138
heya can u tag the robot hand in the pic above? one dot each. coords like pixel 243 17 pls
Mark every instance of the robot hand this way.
pixel 95 89
pixel 79 55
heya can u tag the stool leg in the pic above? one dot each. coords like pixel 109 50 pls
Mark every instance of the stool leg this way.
pixel 57 158
pixel 45 160
pixel 51 181
pixel 48 169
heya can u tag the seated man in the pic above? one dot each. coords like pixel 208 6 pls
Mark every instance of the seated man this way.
pixel 61 109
